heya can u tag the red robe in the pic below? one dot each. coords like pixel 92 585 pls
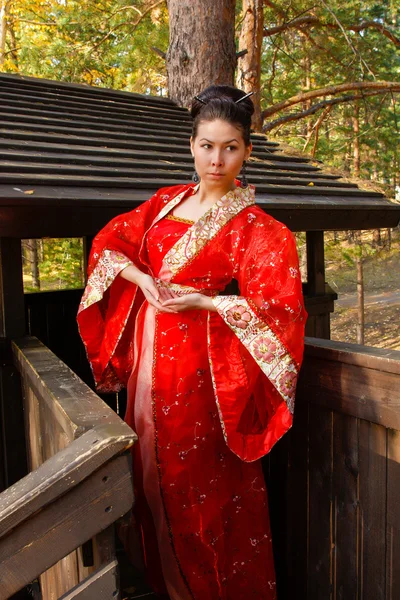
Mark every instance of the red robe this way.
pixel 209 393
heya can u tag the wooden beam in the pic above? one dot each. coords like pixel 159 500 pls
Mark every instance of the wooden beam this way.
pixel 346 379
pixel 12 324
pixel 12 312
pixel 64 525
pixel 101 584
pixel 315 263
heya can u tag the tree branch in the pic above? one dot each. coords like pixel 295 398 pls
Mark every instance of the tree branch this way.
pixel 159 52
pixel 134 25
pixel 40 23
pixel 313 21
pixel 332 90
pixel 320 105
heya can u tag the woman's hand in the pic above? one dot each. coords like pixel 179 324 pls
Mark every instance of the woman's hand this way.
pixel 147 285
pixel 190 302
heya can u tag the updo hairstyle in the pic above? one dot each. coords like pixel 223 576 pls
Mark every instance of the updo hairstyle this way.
pixel 220 102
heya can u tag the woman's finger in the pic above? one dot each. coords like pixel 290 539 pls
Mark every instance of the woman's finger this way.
pixel 151 300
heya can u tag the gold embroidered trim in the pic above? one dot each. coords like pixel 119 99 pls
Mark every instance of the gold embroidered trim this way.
pixel 263 344
pixel 207 227
pixel 179 219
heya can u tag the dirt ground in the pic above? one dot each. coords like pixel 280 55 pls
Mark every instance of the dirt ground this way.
pixel 382 296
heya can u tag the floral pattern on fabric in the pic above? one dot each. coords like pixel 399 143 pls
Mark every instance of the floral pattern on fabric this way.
pixel 108 266
pixel 264 346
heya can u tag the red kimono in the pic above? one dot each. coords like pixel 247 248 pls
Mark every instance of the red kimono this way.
pixel 209 393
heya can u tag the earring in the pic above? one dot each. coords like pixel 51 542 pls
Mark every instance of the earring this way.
pixel 195 177
pixel 243 173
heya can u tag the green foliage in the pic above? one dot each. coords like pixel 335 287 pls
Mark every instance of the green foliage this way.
pixel 60 262
pixel 109 43
pixel 314 56
pixel 106 43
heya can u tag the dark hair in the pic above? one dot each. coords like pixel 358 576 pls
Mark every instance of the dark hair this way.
pixel 220 102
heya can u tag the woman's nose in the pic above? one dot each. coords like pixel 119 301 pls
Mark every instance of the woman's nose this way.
pixel 217 158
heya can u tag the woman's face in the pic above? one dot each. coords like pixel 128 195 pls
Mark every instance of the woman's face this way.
pixel 219 151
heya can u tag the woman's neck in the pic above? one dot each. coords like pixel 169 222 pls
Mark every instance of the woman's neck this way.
pixel 210 194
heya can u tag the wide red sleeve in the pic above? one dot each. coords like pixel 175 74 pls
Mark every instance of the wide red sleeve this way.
pixel 256 339
pixel 109 304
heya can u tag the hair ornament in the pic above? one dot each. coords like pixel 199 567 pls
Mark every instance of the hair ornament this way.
pixel 243 97
pixel 200 100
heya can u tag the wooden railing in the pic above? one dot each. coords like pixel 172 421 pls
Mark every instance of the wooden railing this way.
pixel 335 479
pixel 61 514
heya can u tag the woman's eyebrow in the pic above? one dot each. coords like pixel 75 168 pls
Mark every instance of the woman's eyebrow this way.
pixel 227 142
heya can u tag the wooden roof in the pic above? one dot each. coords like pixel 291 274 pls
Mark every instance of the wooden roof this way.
pixel 72 156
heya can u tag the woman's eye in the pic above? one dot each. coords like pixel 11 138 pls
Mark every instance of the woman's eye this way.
pixel 206 146
pixel 231 148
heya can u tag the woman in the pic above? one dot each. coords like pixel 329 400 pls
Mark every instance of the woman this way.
pixel 211 377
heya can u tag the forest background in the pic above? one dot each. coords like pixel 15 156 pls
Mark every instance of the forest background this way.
pixel 326 83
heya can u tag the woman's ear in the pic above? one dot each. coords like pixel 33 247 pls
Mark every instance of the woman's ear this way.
pixel 249 149
pixel 191 145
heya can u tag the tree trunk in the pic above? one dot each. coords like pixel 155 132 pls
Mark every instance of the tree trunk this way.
pixel 389 239
pixel 376 238
pixel 201 46
pixel 360 292
pixel 249 66
pixel 4 7
pixel 33 259
pixel 356 143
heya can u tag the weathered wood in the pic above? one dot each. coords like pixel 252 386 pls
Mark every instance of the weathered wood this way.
pixel 363 385
pixel 315 263
pixel 101 584
pixel 75 89
pixel 345 522
pixel 393 517
pixel 12 323
pixel 69 400
pixel 320 567
pixel 297 510
pixel 68 126
pixel 65 524
pixel 185 171
pixel 62 473
pixel 12 313
pixel 372 497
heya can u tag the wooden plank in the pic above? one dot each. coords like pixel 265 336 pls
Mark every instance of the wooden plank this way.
pixel 12 312
pixel 372 497
pixel 368 394
pixel 276 476
pixel 130 131
pixel 69 400
pixel 34 440
pixel 60 578
pixel 78 212
pixel 136 170
pixel 126 107
pixel 315 263
pixel 393 517
pixel 297 514
pixel 62 473
pixel 65 524
pixel 320 568
pixel 101 584
pixel 79 89
pixel 12 323
pixel 382 359
pixel 162 115
pixel 345 508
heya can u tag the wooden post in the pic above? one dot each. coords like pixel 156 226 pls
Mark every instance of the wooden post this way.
pixel 315 263
pixel 12 325
pixel 318 324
